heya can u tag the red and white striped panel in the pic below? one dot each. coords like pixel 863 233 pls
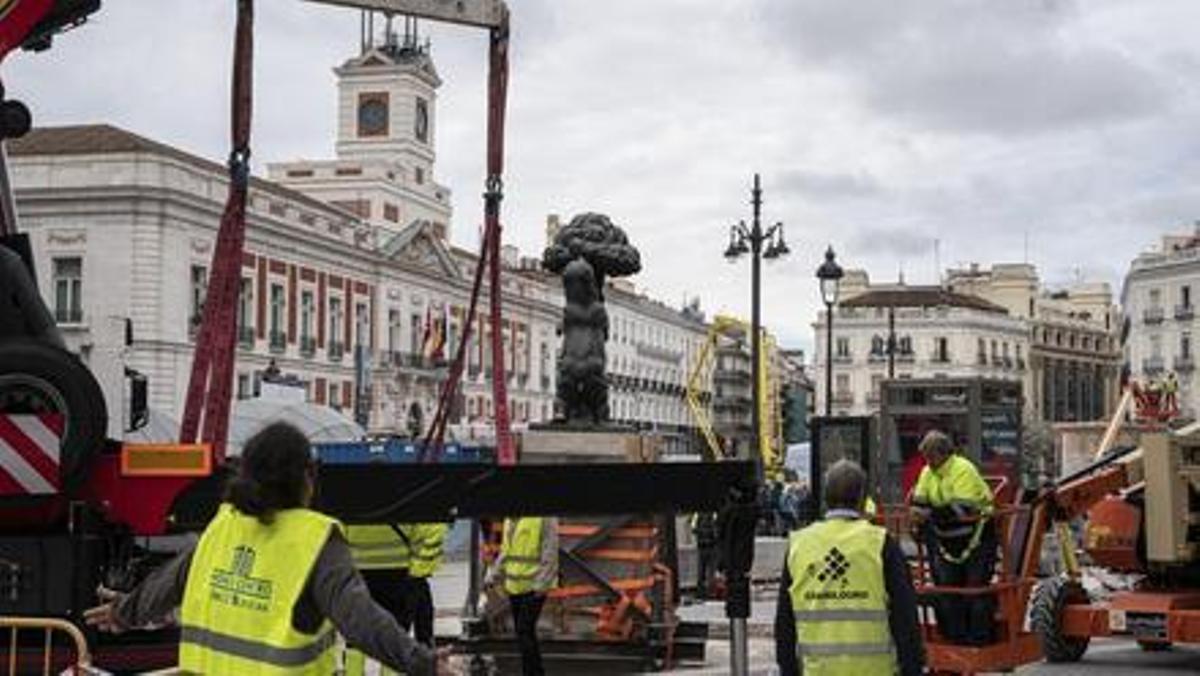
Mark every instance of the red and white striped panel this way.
pixel 29 454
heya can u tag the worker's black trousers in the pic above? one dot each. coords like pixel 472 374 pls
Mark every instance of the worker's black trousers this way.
pixel 420 602
pixel 389 588
pixel 707 562
pixel 965 619
pixel 525 611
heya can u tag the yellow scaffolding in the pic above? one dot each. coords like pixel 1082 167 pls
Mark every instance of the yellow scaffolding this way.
pixel 768 411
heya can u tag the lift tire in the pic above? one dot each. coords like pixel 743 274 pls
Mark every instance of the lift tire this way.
pixel 1045 616
pixel 40 378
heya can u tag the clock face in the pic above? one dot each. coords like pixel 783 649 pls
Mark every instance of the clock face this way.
pixel 421 126
pixel 373 115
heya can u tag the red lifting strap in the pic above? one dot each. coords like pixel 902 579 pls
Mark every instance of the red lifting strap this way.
pixel 210 388
pixel 489 256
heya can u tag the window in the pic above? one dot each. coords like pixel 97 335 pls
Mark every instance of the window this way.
pixel 277 310
pixel 335 321
pixel 877 346
pixel 1156 346
pixel 419 175
pixel 199 292
pixel 393 330
pixel 941 349
pixel 904 346
pixel 876 384
pixel 842 347
pixel 243 386
pixel 68 289
pixel 245 305
pixel 1185 296
pixel 391 212
pixel 417 337
pixel 982 351
pixel 362 325
pixel 306 316
pixel 1185 345
pixel 421 121
pixel 335 396
pixel 1155 297
pixel 843 384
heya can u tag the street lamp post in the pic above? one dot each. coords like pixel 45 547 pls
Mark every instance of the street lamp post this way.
pixel 749 240
pixel 830 274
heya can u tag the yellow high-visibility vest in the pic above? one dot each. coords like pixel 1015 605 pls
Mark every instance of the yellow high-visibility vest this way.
pixel 379 547
pixel 839 599
pixel 520 554
pixel 956 481
pixel 243 584
pixel 428 540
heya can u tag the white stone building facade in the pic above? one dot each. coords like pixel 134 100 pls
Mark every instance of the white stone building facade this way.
pixel 939 334
pixel 1159 303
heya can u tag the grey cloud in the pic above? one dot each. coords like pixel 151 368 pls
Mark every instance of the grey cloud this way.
pixel 894 241
pixel 1014 67
pixel 830 184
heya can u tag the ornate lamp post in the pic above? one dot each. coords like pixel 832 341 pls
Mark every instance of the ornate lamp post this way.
pixel 760 244
pixel 830 274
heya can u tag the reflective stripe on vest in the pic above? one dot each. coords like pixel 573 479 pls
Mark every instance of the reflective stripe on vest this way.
pixel 427 543
pixel 379 547
pixel 242 588
pixel 258 652
pixel 521 553
pixel 839 599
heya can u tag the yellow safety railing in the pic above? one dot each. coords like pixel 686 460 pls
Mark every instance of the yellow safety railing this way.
pixel 14 625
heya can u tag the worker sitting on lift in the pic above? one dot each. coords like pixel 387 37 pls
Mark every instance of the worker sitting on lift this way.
pixel 428 541
pixel 268 582
pixel 952 504
pixel 526 569
pixel 846 601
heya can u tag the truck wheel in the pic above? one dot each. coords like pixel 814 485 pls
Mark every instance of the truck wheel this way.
pixel 38 379
pixel 1051 597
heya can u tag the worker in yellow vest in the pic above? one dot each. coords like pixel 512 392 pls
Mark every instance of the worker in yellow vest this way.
pixel 952 507
pixel 269 581
pixel 846 602
pixel 526 569
pixel 383 554
pixel 428 541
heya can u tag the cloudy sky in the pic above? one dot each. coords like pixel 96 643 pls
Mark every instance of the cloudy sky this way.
pixel 1063 132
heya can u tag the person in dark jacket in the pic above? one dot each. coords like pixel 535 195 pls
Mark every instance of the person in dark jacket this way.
pixel 268 496
pixel 844 605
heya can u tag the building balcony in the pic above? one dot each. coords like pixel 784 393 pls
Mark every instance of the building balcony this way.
pixel 1008 362
pixel 246 337
pixel 278 341
pixel 1152 365
pixel 874 358
pixel 335 350
pixel 545 383
pixel 981 359
pixel 1152 315
pixel 1020 364
pixel 1185 312
pixel 1185 364
pixel 936 358
pixel 843 398
pixel 308 346
pixel 872 399
pixel 412 362
pixel 905 357
pixel 843 359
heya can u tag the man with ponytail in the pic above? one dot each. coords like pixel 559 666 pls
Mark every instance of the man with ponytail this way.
pixel 269 581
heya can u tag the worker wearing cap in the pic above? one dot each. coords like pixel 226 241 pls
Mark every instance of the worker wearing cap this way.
pixel 428 541
pixel 526 569
pixel 846 601
pixel 952 504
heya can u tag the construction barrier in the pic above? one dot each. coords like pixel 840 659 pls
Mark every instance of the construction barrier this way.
pixel 45 658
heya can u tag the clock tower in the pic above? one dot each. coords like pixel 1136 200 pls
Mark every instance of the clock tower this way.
pixel 386 103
